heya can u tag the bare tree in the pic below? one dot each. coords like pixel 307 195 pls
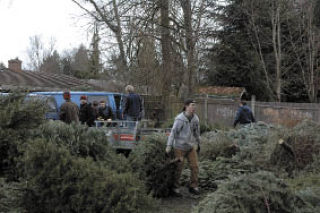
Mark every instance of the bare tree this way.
pixel 107 12
pixel 35 52
pixel 191 37
pixel 305 41
pixel 276 42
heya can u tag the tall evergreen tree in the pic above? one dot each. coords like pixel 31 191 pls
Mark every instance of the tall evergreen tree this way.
pixel 51 63
pixel 80 64
pixel 94 58
pixel 233 60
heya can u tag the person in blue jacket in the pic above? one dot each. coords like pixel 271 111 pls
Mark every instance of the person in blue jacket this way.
pixel 132 105
pixel 244 115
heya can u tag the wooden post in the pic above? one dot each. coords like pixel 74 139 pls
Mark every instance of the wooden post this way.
pixel 253 103
pixel 206 109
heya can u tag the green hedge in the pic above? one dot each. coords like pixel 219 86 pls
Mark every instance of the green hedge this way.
pixel 60 182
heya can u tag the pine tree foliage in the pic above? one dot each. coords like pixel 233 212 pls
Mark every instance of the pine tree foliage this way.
pixel 153 166
pixel 260 192
pixel 60 182
pixel 215 146
pixel 18 116
pixel 19 113
pixel 82 141
pixel 10 196
pixel 297 148
pixel 212 173
pixel 55 167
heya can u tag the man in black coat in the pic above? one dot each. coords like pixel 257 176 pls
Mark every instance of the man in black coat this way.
pixel 132 105
pixel 244 115
pixel 86 112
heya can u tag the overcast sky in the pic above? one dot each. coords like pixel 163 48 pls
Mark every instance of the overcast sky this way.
pixel 20 19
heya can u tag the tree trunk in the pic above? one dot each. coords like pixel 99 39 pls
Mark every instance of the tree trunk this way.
pixel 165 49
pixel 276 42
pixel 190 44
pixel 118 33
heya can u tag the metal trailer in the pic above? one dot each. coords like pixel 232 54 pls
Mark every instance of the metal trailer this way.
pixel 125 135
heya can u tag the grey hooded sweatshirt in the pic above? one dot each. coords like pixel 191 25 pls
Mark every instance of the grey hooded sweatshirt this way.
pixel 184 134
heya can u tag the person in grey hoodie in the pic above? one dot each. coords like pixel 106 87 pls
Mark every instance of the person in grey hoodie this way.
pixel 184 139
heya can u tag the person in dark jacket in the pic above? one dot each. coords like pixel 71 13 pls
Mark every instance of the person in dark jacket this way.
pixel 132 105
pixel 244 115
pixel 95 108
pixel 69 111
pixel 105 111
pixel 86 112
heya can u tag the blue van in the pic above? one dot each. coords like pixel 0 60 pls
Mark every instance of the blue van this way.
pixel 112 99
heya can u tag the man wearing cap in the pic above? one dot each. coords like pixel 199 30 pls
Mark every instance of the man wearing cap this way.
pixel 184 139
pixel 69 111
pixel 86 112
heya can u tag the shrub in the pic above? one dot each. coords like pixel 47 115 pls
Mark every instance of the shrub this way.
pixel 258 192
pixel 60 182
pixel 17 119
pixel 10 196
pixel 154 168
pixel 216 145
pixel 18 114
pixel 297 148
pixel 83 141
pixel 211 173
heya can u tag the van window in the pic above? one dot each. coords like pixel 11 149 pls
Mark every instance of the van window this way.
pixel 52 104
pixel 98 98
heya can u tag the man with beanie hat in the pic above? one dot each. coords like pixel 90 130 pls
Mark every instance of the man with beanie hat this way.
pixel 185 141
pixel 69 111
pixel 86 112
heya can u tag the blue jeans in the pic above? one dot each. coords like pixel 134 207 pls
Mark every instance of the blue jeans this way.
pixel 131 118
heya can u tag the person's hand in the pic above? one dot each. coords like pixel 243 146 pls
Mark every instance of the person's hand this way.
pixel 168 149
pixel 195 147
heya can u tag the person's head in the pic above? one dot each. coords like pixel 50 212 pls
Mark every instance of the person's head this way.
pixel 66 95
pixel 102 104
pixel 242 103
pixel 189 106
pixel 129 89
pixel 83 99
pixel 95 103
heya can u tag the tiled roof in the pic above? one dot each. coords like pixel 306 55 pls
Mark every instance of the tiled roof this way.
pixel 39 80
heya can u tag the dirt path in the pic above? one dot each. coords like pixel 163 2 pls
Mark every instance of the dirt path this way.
pixel 182 204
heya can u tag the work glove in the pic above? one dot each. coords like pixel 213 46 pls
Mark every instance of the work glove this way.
pixel 168 149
